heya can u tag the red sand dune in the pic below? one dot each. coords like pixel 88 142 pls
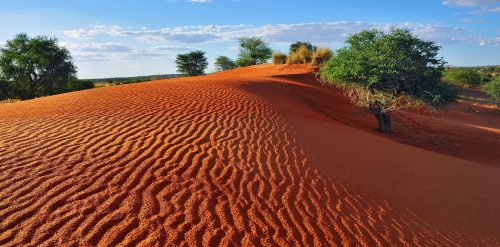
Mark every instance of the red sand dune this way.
pixel 255 156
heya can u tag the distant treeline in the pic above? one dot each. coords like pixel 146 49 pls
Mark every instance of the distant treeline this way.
pixel 134 79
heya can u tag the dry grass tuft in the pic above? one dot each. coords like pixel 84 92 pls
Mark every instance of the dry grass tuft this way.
pixel 279 58
pixel 321 56
pixel 301 56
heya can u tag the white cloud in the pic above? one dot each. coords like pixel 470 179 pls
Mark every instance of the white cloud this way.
pixel 329 32
pixel 111 51
pixel 492 6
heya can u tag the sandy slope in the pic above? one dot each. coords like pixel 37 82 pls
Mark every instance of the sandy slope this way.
pixel 256 156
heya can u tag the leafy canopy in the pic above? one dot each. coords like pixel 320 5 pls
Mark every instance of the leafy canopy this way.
pixel 253 51
pixel 493 89
pixel 192 64
pixel 35 66
pixel 223 63
pixel 390 69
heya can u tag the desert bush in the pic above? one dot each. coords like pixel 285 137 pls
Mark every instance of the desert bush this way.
pixel 192 64
pixel 463 76
pixel 223 63
pixel 493 89
pixel 389 72
pixel 302 55
pixel 253 51
pixel 77 85
pixel 279 58
pixel 321 56
pixel 295 46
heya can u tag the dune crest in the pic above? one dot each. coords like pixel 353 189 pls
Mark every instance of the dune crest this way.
pixel 246 157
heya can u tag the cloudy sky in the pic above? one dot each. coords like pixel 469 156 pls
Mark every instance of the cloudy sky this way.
pixel 110 38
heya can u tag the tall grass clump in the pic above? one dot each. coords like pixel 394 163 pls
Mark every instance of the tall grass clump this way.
pixel 302 55
pixel 321 56
pixel 279 58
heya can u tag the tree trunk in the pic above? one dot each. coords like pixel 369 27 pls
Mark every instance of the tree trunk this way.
pixel 383 118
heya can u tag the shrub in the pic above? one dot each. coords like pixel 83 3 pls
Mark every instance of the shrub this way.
pixel 192 64
pixel 321 56
pixel 223 63
pixel 301 55
pixel 77 85
pixel 253 51
pixel 463 76
pixel 279 58
pixel 295 46
pixel 493 89
pixel 388 72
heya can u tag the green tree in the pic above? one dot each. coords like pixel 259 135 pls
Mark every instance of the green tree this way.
pixel 253 51
pixel 192 64
pixel 223 63
pixel 295 46
pixel 463 76
pixel 493 89
pixel 388 72
pixel 35 66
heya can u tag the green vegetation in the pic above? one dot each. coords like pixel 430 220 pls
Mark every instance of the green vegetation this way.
pixel 463 76
pixel 493 89
pixel 388 72
pixel 34 67
pixel 253 51
pixel 321 55
pixel 192 64
pixel 302 55
pixel 77 85
pixel 223 63
pixel 279 58
pixel 295 46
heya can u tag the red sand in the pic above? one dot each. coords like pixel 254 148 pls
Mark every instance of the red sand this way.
pixel 255 156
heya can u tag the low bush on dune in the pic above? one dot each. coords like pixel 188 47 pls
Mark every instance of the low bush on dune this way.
pixel 77 85
pixel 321 56
pixel 223 63
pixel 279 58
pixel 302 55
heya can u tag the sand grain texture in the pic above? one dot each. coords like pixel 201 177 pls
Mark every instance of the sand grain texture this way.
pixel 247 157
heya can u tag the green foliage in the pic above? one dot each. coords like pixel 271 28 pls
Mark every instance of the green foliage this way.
pixel 253 51
pixel 493 89
pixel 321 56
pixel 223 63
pixel 301 56
pixel 192 64
pixel 295 46
pixel 35 66
pixel 279 58
pixel 395 71
pixel 463 76
pixel 77 85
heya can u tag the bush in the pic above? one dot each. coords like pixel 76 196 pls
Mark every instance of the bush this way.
pixel 223 63
pixel 493 89
pixel 388 72
pixel 192 64
pixel 463 76
pixel 77 85
pixel 302 55
pixel 253 51
pixel 4 89
pixel 295 46
pixel 279 58
pixel 321 56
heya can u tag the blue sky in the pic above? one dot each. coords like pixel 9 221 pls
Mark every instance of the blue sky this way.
pixel 131 37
